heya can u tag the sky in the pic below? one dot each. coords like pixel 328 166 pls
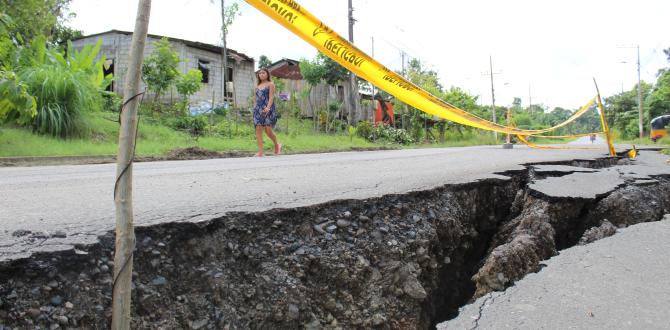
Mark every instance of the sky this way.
pixel 544 51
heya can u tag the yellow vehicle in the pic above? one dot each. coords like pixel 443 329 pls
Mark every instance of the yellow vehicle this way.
pixel 658 127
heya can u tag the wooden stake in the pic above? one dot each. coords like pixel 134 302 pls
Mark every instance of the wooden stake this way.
pixel 123 190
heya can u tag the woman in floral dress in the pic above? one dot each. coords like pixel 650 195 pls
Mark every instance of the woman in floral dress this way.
pixel 265 114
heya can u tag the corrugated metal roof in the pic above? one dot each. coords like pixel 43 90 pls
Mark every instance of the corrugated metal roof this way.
pixel 195 44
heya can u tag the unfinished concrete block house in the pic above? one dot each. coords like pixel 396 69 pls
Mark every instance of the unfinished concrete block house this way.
pixel 206 57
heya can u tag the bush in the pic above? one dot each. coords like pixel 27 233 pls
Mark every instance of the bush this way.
pixel 339 125
pixel 390 134
pixel 63 85
pixel 220 110
pixel 364 129
pixel 111 101
pixel 195 126
pixel 15 102
pixel 228 128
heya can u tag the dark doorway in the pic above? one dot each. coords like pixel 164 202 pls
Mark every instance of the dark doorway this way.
pixel 107 69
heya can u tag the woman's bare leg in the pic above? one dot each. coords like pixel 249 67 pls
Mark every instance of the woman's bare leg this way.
pixel 273 137
pixel 259 140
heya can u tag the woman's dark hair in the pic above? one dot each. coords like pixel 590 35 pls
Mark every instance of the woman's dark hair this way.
pixel 258 79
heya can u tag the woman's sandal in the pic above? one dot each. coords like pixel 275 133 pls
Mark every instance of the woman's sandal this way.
pixel 258 154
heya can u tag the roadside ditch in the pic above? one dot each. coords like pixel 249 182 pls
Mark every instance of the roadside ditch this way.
pixel 404 261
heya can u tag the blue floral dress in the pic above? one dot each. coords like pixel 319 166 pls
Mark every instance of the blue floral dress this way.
pixel 260 118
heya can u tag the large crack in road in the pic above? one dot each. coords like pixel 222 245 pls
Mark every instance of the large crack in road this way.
pixel 393 262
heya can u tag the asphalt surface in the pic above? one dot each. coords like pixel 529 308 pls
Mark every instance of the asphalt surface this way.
pixel 619 282
pixel 65 205
pixel 587 185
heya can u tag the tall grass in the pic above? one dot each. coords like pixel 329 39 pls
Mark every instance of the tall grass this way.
pixel 61 96
pixel 64 85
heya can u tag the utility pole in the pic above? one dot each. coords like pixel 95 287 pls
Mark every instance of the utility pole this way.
pixel 639 95
pixel 123 187
pixel 224 52
pixel 639 91
pixel 493 96
pixel 404 107
pixel 352 77
pixel 374 107
pixel 530 101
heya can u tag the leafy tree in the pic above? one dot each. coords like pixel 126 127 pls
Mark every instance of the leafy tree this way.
pixel 461 99
pixel 313 72
pixel 188 84
pixel 659 100
pixel 8 41
pixel 35 17
pixel 230 12
pixel 264 62
pixel 428 80
pixel 333 74
pixel 159 70
pixel 333 71
pixel 62 34
pixel 521 119
pixel 557 116
pixel 622 111
pixel 16 104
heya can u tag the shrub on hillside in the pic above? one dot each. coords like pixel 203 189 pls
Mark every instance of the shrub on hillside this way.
pixel 63 85
pixel 195 126
pixel 364 129
pixel 390 134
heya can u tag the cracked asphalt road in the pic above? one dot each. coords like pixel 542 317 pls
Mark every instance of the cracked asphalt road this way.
pixel 619 282
pixel 77 202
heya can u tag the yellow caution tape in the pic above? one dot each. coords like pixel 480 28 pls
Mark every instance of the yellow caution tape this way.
pixel 295 18
pixel 603 122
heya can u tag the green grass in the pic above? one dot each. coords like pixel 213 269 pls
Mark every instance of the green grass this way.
pixel 156 140
pixel 21 142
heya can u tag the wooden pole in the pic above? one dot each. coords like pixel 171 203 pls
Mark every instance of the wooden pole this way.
pixel 493 98
pixel 123 190
pixel 353 95
pixel 509 123
pixel 639 96
pixel 224 52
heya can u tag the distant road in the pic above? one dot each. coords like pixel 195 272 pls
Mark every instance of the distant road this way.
pixel 587 140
